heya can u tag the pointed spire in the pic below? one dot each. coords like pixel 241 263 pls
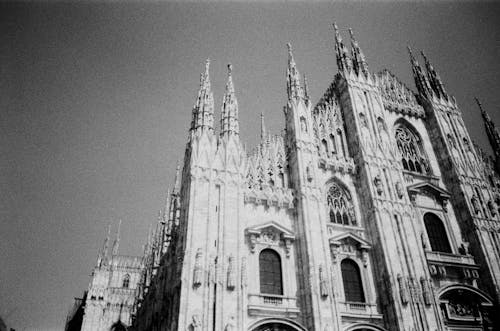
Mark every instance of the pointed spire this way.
pixel 491 130
pixel 229 120
pixel 434 79
pixel 262 127
pixel 116 244
pixel 343 60
pixel 358 58
pixel 177 181
pixel 306 89
pixel 294 89
pixel 103 253
pixel 203 110
pixel 421 81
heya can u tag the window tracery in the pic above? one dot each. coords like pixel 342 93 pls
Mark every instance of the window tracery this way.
pixel 340 207
pixel 412 154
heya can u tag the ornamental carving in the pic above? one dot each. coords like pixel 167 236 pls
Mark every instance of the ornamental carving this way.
pixel 270 234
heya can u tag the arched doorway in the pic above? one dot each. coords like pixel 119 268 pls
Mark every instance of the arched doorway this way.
pixel 465 306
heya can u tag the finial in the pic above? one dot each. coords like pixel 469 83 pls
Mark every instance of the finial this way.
pixel 229 69
pixel 289 47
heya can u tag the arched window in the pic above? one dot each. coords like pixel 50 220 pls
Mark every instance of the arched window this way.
pixel 436 233
pixel 351 277
pixel 340 207
pixel 324 148
pixel 270 272
pixel 412 153
pixel 334 146
pixel 126 281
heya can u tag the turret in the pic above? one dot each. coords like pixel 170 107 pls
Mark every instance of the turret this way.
pixel 229 120
pixel 203 110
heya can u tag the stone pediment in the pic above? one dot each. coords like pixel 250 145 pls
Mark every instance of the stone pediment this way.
pixel 269 234
pixel 349 236
pixel 427 188
pixel 271 227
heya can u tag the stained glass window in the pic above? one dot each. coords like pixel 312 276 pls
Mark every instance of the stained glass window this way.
pixel 340 208
pixel 410 147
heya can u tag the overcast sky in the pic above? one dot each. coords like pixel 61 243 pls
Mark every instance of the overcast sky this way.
pixel 95 103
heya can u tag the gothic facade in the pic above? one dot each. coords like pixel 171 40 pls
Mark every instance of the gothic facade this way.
pixel 108 303
pixel 373 210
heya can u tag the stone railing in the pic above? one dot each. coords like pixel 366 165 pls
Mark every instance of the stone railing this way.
pixel 262 304
pixel 359 308
pixel 448 258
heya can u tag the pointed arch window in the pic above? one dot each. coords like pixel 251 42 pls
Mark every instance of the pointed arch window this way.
pixel 270 272
pixel 436 233
pixel 340 207
pixel 126 281
pixel 412 153
pixel 351 277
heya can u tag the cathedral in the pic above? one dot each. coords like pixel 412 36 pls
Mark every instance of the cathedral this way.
pixel 372 210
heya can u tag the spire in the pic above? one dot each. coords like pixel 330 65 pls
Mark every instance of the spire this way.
pixel 203 110
pixel 306 89
pixel 294 88
pixel 103 253
pixel 229 120
pixel 262 127
pixel 434 79
pixel 177 182
pixel 343 60
pixel 491 130
pixel 421 81
pixel 358 58
pixel 116 244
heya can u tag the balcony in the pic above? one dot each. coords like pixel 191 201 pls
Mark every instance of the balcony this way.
pixel 274 305
pixel 450 259
pixel 359 309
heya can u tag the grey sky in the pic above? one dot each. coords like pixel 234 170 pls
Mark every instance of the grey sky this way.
pixel 95 103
